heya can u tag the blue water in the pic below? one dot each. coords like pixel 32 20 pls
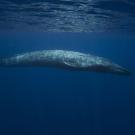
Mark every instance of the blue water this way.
pixel 49 101
pixel 68 15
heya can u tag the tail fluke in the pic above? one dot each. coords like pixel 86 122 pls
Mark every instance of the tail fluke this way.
pixel 2 62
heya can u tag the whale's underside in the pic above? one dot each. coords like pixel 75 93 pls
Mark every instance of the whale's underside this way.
pixel 64 59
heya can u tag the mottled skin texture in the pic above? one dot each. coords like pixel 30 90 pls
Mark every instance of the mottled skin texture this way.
pixel 65 59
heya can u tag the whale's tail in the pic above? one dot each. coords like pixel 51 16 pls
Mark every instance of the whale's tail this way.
pixel 2 62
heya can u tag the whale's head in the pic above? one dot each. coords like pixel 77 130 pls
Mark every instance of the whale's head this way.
pixel 113 68
pixel 100 64
pixel 85 62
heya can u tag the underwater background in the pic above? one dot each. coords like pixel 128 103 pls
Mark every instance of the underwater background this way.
pixel 49 101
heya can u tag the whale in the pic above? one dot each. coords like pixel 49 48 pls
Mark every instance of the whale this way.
pixel 65 59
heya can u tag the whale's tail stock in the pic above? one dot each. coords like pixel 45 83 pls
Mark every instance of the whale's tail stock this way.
pixel 2 62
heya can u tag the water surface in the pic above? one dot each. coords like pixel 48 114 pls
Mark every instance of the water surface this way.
pixel 68 15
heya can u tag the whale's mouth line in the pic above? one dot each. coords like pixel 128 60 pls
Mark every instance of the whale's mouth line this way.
pixel 115 69
pixel 123 71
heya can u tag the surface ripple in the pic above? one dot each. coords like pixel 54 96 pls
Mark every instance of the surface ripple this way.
pixel 68 15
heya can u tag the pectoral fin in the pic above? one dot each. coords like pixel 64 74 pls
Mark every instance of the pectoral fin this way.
pixel 70 64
